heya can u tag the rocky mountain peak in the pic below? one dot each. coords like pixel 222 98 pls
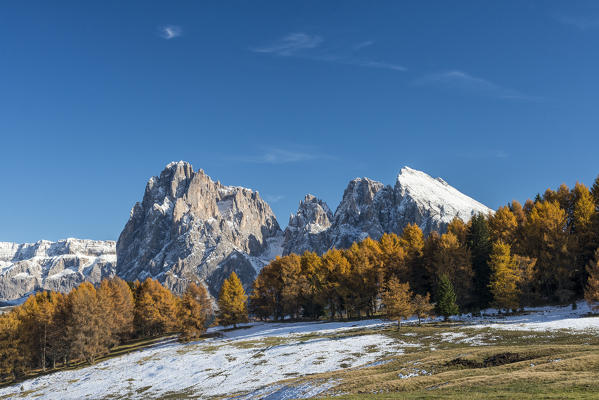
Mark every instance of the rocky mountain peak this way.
pixel 188 227
pixel 59 266
pixel 305 228
pixel 370 208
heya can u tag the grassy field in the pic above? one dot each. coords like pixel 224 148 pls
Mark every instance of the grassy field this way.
pixel 453 362
pixel 432 361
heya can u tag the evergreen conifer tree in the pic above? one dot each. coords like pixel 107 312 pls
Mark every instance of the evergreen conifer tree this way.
pixel 591 292
pixel 446 298
pixel 479 243
pixel 595 192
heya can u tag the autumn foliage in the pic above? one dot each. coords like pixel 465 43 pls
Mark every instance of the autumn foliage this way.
pixel 536 254
pixel 52 329
pixel 542 252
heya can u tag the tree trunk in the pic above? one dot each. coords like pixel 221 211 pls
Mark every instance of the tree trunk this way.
pixel 44 349
pixel 398 324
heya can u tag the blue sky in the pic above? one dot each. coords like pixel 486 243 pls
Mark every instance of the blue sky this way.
pixel 498 98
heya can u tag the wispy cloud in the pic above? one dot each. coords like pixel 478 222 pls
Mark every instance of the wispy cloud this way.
pixel 582 23
pixel 291 44
pixel 273 198
pixel 361 45
pixel 306 46
pixel 459 80
pixel 170 31
pixel 282 156
pixel 377 64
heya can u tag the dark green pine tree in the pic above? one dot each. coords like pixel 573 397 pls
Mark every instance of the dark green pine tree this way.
pixel 479 242
pixel 595 192
pixel 446 298
pixel 538 198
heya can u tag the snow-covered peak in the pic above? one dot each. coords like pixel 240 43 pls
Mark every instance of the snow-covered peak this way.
pixel 437 195
pixel 59 266
pixel 370 208
pixel 175 164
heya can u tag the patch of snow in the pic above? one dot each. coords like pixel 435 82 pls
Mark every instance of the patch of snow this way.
pixel 377 363
pixel 216 367
pixel 414 373
pixel 225 207
pixel 541 319
pixel 62 274
pixel 281 392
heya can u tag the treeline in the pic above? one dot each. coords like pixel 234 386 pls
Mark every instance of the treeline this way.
pixel 545 252
pixel 52 329
pixel 535 254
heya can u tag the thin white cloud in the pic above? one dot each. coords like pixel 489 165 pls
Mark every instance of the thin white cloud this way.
pixel 291 44
pixel 378 64
pixel 459 80
pixel 361 45
pixel 282 156
pixel 273 198
pixel 582 23
pixel 306 46
pixel 170 31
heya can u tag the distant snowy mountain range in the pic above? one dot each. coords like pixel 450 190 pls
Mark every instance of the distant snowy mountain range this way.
pixel 188 228
pixel 60 266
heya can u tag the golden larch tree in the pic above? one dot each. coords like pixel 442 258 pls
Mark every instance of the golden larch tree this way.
pixel 505 277
pixel 155 309
pixel 232 308
pixel 422 306
pixel 503 225
pixel 194 312
pixel 88 329
pixel 396 297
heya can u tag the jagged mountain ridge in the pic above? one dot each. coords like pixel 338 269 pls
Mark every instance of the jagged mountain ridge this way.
pixel 307 229
pixel 369 209
pixel 58 266
pixel 190 228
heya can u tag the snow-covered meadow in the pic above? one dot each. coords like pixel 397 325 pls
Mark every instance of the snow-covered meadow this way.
pixel 261 360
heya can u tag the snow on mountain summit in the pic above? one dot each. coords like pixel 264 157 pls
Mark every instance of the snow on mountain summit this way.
pixel 189 227
pixel 44 265
pixel 370 209
pixel 437 195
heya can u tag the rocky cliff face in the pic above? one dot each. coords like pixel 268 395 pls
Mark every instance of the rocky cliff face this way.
pixel 58 266
pixel 189 228
pixel 307 229
pixel 370 208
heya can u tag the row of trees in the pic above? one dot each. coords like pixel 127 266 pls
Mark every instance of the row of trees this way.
pixel 539 253
pixel 543 252
pixel 52 329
